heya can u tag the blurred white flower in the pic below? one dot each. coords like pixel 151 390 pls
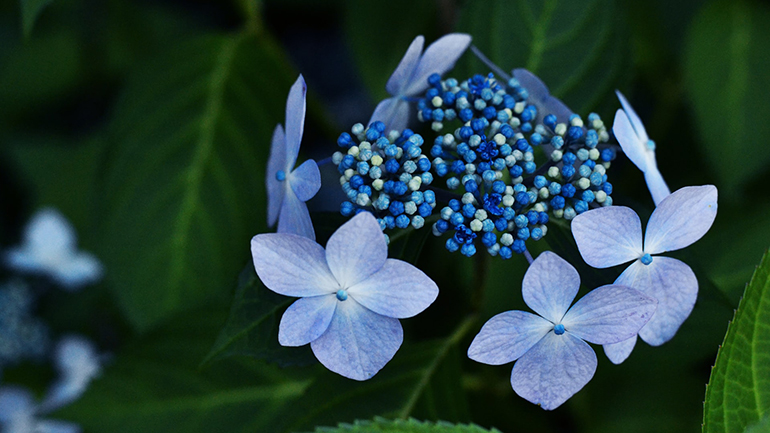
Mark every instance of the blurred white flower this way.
pixel 50 247
pixel 19 413
pixel 78 363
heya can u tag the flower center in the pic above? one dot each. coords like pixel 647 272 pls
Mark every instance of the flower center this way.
pixel 558 329
pixel 280 175
pixel 342 294
pixel 646 259
pixel 650 145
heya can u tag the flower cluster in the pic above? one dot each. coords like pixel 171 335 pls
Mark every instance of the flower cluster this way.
pixel 510 158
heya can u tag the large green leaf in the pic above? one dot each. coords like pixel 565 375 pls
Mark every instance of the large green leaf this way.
pixel 403 426
pixel 580 49
pixel 30 9
pixel 252 327
pixel 738 393
pixel 184 192
pixel 726 63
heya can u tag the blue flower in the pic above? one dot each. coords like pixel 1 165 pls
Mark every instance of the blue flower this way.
pixel 19 413
pixel 78 364
pixel 638 147
pixel 554 360
pixel 351 294
pixel 410 78
pixel 613 235
pixel 50 248
pixel 287 188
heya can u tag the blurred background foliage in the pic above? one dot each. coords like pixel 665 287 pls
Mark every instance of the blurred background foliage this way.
pixel 147 123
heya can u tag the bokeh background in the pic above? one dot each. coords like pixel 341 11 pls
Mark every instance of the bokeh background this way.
pixel 147 123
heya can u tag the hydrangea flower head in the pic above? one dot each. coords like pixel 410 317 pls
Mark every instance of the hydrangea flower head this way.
pixel 78 363
pixel 351 294
pixel 288 188
pixel 638 147
pixel 553 360
pixel 410 78
pixel 19 413
pixel 611 236
pixel 50 247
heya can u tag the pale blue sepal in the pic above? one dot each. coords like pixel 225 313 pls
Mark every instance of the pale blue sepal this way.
pixel 619 352
pixel 78 363
pixel 633 118
pixel 550 285
pixel 306 319
pixel 399 80
pixel 633 147
pixel 14 402
pixel 540 97
pixel 295 120
pixel 681 219
pixel 507 336
pixel 292 265
pixel 358 342
pixel 675 287
pixel 305 180
pixel 554 369
pixel 398 290
pixel 356 250
pixel 439 57
pixel 275 163
pixel 655 183
pixel 609 314
pixel 608 236
pixel 295 218
pixel 393 112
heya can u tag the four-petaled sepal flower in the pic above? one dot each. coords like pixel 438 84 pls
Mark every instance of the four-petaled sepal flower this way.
pixel 288 188
pixel 638 147
pixel 613 235
pixel 410 78
pixel 554 360
pixel 50 248
pixel 351 294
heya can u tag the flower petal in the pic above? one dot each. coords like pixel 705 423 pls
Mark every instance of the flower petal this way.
pixel 356 250
pixel 439 57
pixel 82 268
pixel 619 352
pixel 275 163
pixel 78 363
pixel 292 265
pixel 550 284
pixel 306 319
pixel 540 97
pixel 15 402
pixel 609 314
pixel 50 232
pixel 398 82
pixel 295 120
pixel 675 287
pixel 681 219
pixel 305 181
pixel 295 218
pixel 393 112
pixel 397 290
pixel 655 183
pixel 507 336
pixel 359 342
pixel 636 123
pixel 608 236
pixel 634 149
pixel 554 369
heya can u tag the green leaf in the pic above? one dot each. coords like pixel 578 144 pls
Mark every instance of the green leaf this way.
pixel 580 49
pixel 252 327
pixel 185 190
pixel 727 56
pixel 30 10
pixel 738 393
pixel 762 427
pixel 403 426
pixel 155 386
